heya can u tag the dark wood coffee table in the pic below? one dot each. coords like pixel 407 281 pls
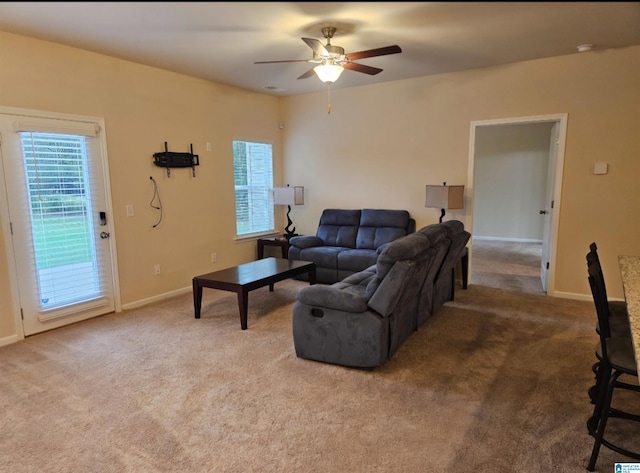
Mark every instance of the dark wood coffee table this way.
pixel 247 277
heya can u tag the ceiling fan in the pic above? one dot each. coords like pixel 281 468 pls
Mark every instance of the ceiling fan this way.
pixel 331 60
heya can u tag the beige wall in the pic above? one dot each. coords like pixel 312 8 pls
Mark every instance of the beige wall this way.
pixel 378 148
pixel 8 329
pixel 382 143
pixel 143 107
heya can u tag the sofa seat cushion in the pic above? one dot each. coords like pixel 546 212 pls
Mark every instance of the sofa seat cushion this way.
pixel 348 294
pixel 347 297
pixel 361 278
pixel 356 260
pixel 323 256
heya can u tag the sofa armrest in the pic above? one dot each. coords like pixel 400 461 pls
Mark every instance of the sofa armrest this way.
pixel 330 297
pixel 381 248
pixel 305 241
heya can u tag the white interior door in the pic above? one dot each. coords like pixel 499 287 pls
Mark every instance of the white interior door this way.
pixel 57 202
pixel 553 188
pixel 547 211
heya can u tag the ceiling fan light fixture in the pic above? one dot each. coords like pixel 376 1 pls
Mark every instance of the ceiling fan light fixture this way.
pixel 328 73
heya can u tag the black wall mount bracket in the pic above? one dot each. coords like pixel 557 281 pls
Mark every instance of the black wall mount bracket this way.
pixel 169 159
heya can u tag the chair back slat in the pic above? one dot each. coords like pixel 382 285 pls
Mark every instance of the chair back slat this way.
pixel 592 257
pixel 596 282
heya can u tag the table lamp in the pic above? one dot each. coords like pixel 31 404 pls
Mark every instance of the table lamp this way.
pixel 445 197
pixel 288 196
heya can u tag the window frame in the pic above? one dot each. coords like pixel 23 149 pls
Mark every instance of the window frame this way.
pixel 260 213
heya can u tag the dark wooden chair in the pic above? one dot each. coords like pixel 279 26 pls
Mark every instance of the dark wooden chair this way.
pixel 616 360
pixel 617 310
pixel 616 314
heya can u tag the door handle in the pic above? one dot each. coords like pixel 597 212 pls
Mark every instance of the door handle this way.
pixel 104 235
pixel 542 212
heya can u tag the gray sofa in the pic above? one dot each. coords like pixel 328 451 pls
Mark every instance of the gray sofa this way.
pixel 348 241
pixel 363 320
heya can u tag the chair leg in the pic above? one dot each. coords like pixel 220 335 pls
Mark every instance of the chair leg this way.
pixel 601 411
pixel 603 378
pixel 593 390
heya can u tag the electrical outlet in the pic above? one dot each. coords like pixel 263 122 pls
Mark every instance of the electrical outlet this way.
pixel 156 269
pixel 130 210
pixel 214 257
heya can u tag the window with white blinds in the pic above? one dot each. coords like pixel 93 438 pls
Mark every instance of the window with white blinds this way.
pixel 60 208
pixel 253 183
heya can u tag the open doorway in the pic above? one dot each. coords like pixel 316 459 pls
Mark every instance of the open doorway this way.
pixel 514 188
pixel 509 265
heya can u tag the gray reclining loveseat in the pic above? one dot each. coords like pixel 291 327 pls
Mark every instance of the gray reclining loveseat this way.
pixel 348 241
pixel 362 320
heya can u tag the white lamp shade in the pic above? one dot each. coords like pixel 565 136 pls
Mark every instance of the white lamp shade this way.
pixel 288 195
pixel 445 197
pixel 328 72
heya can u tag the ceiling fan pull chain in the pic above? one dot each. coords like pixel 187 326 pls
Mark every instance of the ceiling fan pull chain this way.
pixel 329 99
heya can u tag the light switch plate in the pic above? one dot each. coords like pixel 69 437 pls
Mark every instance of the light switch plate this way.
pixel 600 167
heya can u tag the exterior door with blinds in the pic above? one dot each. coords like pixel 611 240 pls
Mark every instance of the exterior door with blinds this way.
pixel 56 181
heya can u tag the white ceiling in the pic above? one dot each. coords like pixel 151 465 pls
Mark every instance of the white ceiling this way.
pixel 220 41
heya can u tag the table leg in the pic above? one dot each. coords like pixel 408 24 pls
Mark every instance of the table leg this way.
pixel 197 298
pixel 243 304
pixel 465 267
pixel 271 287
pixel 260 249
pixel 452 295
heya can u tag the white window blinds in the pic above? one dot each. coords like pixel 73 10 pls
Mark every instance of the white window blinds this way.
pixel 60 208
pixel 253 182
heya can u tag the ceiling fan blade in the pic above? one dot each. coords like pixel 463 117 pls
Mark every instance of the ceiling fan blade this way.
pixel 317 46
pixel 354 66
pixel 290 60
pixel 307 74
pixel 374 52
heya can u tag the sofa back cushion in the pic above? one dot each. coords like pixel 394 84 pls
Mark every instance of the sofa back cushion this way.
pixel 439 242
pixel 380 226
pixel 408 247
pixel 339 227
pixel 395 290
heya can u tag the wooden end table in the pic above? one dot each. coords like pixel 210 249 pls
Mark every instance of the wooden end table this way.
pixel 282 242
pixel 464 263
pixel 247 277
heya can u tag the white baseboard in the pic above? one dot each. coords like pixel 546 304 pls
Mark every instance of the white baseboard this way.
pixel 580 297
pixel 9 340
pixel 515 240
pixel 159 297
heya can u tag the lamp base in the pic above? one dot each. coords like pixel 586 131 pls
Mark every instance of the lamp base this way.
pixel 441 215
pixel 289 232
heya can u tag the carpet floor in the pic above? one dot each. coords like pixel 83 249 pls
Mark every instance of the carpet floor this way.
pixel 496 381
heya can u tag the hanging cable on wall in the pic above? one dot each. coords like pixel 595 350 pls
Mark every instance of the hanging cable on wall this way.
pixel 156 196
